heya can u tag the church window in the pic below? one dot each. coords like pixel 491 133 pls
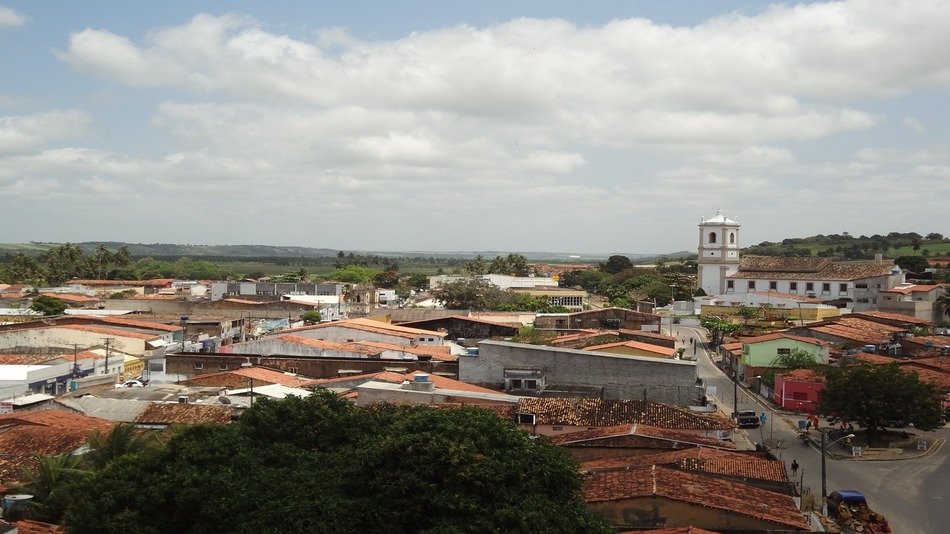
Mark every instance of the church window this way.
pixel 729 284
pixel 712 237
pixel 752 285
pixel 732 238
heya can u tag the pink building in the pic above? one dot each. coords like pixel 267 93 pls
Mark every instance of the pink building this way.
pixel 798 390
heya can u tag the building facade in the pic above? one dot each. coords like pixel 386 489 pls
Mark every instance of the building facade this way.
pixel 718 255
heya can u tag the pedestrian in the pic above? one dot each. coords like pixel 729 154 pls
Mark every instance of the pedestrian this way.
pixel 794 467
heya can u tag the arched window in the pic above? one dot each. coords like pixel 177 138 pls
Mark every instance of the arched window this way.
pixel 732 238
pixel 712 237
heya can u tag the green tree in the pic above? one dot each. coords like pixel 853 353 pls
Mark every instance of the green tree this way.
pixel 472 294
pixel 917 264
pixel 387 279
pixel 353 274
pixel 870 394
pixel 48 305
pixel 532 336
pixel 748 313
pixel 417 281
pixel 477 266
pixel 616 264
pixel 311 317
pixel 121 439
pixel 321 464
pixel 942 304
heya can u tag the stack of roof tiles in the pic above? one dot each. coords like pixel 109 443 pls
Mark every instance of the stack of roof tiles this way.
pixel 611 412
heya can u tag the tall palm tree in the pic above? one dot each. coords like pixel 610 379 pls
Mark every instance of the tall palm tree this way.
pixel 122 439
pixel 943 303
pixel 49 484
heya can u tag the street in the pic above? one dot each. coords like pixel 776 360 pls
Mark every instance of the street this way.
pixel 909 493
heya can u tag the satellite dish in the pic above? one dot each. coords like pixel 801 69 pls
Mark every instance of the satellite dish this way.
pixel 224 400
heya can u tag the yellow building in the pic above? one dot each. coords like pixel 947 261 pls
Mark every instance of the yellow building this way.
pixel 133 367
pixel 635 348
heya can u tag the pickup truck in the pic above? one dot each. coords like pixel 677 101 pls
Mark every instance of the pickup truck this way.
pixel 747 419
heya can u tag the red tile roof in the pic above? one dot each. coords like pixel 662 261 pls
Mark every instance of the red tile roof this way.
pixel 440 382
pixel 27 526
pixel 898 317
pixel 917 288
pixel 643 431
pixel 644 333
pixel 844 332
pixel 239 378
pixel 117 332
pixel 666 352
pixel 155 282
pixel 26 436
pixel 816 269
pixel 378 327
pixel 804 375
pixel 136 323
pixel 709 492
pixel 328 345
pixel 72 297
pixel 611 412
pixel 441 353
pixel 173 413
pixel 875 359
pixel 700 459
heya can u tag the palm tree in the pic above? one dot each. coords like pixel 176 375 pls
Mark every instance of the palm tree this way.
pixel 943 303
pixel 122 439
pixel 50 485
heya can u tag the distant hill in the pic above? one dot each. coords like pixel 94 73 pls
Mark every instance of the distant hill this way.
pixel 168 250
pixel 848 247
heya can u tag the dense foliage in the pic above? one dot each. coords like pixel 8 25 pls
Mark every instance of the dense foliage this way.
pixel 320 464
pixel 476 294
pixel 870 394
pixel 848 247
pixel 630 284
pixel 48 305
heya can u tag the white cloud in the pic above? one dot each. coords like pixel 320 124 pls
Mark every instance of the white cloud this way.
pixel 914 124
pixel 25 133
pixel 10 17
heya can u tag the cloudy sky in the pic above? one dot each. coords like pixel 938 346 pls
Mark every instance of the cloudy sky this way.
pixel 493 125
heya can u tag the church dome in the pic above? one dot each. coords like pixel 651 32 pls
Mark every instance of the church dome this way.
pixel 719 218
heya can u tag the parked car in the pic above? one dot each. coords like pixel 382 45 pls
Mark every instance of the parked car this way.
pixel 130 384
pixel 747 419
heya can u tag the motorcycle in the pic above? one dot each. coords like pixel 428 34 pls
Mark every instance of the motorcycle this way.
pixel 804 437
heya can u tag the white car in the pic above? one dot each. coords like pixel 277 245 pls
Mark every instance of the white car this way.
pixel 130 384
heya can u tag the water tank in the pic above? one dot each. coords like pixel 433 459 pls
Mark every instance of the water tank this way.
pixel 16 502
pixel 472 351
pixel 421 377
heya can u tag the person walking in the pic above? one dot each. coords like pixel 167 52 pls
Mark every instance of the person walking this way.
pixel 794 468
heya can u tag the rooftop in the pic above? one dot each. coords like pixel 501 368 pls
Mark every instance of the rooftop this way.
pixel 897 317
pixel 241 378
pixel 781 335
pixel 174 413
pixel 378 327
pixel 804 375
pixel 665 352
pixel 808 268
pixel 611 412
pixel 699 459
pixel 695 489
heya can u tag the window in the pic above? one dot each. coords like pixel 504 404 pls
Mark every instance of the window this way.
pixel 860 286
pixel 751 284
pixel 732 238
pixel 773 285
pixel 199 365
pixel 293 370
pixel 526 418
pixel 730 284
pixel 223 367
pixel 531 384
pixel 515 383
pixel 712 237
pixel 557 428
pixel 793 286
pixel 843 288
pixel 825 289
pixel 781 352
pixel 809 286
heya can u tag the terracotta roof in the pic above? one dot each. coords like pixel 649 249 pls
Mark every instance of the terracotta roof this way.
pixel 928 341
pixel 808 268
pixel 624 311
pixel 118 332
pixel 804 375
pixel 440 382
pixel 584 334
pixel 643 431
pixel 926 374
pixel 611 412
pixel 715 493
pixel 644 333
pixel 875 359
pixel 916 288
pixel 25 436
pixel 378 327
pixel 173 413
pixel 154 296
pixel 861 336
pixel 700 459
pixel 788 296
pixel 897 317
pixel 441 352
pixel 781 335
pixel 866 325
pixel 939 363
pixel 737 346
pixel 136 322
pixel 666 352
pixel 239 378
pixel 322 344
pixel 246 301
pixel 29 359
pixel 28 526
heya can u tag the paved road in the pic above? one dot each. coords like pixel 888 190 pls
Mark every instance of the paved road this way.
pixel 913 494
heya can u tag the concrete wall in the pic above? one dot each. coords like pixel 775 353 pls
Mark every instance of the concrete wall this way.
pixel 621 377
pixel 183 365
pixel 66 338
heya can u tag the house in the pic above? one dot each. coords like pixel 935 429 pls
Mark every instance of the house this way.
pixel 572 299
pixel 556 416
pixel 854 331
pixel 502 281
pixel 295 345
pixel 106 288
pixel 160 415
pixel 552 371
pixel 774 305
pixel 916 300
pixel 760 353
pixel 852 284
pixel 458 327
pixel 603 319
pixel 223 290
pixel 658 496
pixel 925 346
pixel 798 390
pixel 605 443
pixel 634 348
pixel 246 376
pixel 369 330
pixel 756 469
pixel 422 388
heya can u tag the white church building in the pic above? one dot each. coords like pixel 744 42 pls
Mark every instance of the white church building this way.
pixel 855 285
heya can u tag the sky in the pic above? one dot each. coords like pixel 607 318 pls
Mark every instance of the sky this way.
pixel 524 126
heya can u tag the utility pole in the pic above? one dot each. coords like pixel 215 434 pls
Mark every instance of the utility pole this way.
pixel 108 341
pixel 75 360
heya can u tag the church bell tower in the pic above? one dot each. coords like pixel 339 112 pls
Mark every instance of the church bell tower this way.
pixel 718 252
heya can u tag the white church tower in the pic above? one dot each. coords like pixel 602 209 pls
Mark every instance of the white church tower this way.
pixel 718 252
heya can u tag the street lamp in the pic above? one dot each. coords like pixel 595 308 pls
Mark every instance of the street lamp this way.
pixel 824 484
